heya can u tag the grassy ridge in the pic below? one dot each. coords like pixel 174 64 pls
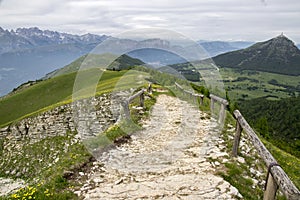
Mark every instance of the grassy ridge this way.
pixel 58 90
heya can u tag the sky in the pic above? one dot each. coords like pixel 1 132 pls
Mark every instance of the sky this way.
pixel 249 20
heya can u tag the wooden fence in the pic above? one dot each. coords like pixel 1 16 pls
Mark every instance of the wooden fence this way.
pixel 276 177
pixel 190 94
pixel 223 103
pixel 126 103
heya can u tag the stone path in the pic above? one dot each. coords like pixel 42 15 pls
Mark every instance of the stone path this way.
pixel 170 159
pixel 9 185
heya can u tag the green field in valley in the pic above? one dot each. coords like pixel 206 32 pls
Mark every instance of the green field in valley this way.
pixel 243 85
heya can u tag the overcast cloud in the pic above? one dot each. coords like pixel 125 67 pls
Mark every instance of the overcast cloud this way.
pixel 254 20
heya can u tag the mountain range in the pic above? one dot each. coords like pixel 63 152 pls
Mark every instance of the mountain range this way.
pixel 28 38
pixel 214 48
pixel 277 55
pixel 30 53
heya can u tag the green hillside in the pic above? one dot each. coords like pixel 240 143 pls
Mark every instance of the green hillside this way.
pixel 58 90
pixel 277 55
pixel 277 121
pixel 123 62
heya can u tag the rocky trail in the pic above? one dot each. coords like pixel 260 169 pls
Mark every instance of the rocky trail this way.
pixel 173 157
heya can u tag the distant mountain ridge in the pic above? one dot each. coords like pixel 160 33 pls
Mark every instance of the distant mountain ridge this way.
pixel 30 53
pixel 277 55
pixel 214 48
pixel 27 38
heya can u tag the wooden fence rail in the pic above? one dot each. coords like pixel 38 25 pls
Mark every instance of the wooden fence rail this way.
pixel 126 103
pixel 223 102
pixel 190 94
pixel 276 177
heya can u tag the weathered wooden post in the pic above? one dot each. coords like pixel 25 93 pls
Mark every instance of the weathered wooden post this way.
pixel 200 96
pixel 201 99
pixel 223 103
pixel 212 106
pixel 126 110
pixel 271 188
pixel 222 113
pixel 195 99
pixel 142 99
pixel 126 103
pixel 237 139
pixel 150 88
pixel 190 95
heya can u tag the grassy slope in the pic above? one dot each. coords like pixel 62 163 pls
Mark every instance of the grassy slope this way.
pixel 94 60
pixel 289 163
pixel 46 177
pixel 58 90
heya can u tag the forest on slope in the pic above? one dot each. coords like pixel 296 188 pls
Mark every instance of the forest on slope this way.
pixel 276 121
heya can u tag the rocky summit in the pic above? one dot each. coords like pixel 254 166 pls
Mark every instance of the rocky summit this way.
pixel 277 55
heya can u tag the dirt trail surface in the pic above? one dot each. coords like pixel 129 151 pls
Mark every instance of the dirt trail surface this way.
pixel 169 159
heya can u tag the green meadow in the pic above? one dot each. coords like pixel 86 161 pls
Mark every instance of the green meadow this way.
pixel 247 84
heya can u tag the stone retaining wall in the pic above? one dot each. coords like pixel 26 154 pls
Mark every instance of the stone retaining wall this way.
pixel 89 117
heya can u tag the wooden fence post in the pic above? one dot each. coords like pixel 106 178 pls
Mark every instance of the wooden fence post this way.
pixel 126 110
pixel 237 139
pixel 212 106
pixel 222 114
pixel 142 98
pixel 271 188
pixel 201 100
pixel 150 88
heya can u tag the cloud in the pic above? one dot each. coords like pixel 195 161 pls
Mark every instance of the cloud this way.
pixel 214 19
pixel 7 69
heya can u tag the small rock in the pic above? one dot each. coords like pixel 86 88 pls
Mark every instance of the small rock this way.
pixel 241 160
pixel 13 172
pixel 234 191
pixel 225 160
pixel 81 173
pixel 98 180
pixel 56 160
pixel 252 171
pixel 78 193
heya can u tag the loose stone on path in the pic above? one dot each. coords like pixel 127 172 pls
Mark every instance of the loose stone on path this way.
pixel 9 185
pixel 168 159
